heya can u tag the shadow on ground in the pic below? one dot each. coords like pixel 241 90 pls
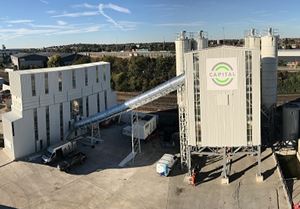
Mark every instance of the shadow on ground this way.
pixel 6 207
pixel 115 147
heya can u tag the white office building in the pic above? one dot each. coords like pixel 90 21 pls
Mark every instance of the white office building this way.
pixel 44 102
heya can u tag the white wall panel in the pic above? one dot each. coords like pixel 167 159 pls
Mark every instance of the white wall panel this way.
pixel 54 123
pixel 24 102
pixel 223 113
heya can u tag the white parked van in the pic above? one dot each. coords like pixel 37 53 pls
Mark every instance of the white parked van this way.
pixel 58 151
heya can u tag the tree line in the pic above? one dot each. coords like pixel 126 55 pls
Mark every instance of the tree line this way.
pixel 155 46
pixel 133 74
pixel 288 82
pixel 143 73
pixel 140 73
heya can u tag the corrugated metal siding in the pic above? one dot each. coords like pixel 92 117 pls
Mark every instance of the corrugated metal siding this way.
pixel 23 102
pixel 256 95
pixel 223 113
pixel 189 102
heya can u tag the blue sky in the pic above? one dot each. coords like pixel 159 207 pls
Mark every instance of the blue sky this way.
pixel 38 23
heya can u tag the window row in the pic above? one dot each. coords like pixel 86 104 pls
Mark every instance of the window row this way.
pixel 60 80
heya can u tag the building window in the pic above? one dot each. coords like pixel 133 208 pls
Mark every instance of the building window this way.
pixel 248 63
pixel 105 99
pixel 47 126
pixel 59 81
pixel 86 77
pixel 73 79
pixel 98 103
pixel 13 128
pixel 104 75
pixel 46 83
pixel 35 124
pixel 61 121
pixel 33 85
pixel 97 74
pixel 87 106
pixel 41 144
pixel 196 75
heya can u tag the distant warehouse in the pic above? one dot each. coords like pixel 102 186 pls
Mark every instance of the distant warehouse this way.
pixel 289 55
pixel 46 101
pixel 23 61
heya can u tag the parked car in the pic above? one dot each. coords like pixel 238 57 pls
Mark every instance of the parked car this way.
pixel 71 160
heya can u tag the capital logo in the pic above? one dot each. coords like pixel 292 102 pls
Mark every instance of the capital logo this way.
pixel 222 74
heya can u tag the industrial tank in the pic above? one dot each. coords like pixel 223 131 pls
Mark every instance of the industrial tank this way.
pixel 201 41
pixel 290 121
pixel 182 45
pixel 252 40
pixel 269 51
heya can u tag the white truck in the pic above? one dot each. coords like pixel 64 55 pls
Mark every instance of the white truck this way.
pixel 58 151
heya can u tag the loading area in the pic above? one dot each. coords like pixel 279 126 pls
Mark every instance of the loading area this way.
pixel 101 183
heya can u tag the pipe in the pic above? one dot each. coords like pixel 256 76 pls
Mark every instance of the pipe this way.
pixel 140 100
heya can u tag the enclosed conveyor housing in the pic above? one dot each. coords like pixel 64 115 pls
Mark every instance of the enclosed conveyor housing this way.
pixel 140 100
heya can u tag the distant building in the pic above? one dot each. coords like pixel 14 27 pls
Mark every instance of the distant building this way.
pixel 66 58
pixel 289 55
pixel 23 61
pixel 5 54
pixel 46 101
pixel 128 54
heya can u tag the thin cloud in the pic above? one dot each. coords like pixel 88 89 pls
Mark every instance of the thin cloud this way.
pixel 165 7
pixel 129 25
pixel 78 30
pixel 116 8
pixel 48 30
pixel 180 24
pixel 51 12
pixel 77 14
pixel 85 5
pixel 48 26
pixel 44 1
pixel 113 7
pixel 60 22
pixel 108 18
pixel 19 21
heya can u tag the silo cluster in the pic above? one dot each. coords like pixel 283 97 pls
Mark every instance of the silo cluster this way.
pixel 268 44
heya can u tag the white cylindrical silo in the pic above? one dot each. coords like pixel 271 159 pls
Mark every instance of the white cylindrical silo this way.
pixel 252 40
pixel 269 51
pixel 181 46
pixel 201 41
pixel 290 121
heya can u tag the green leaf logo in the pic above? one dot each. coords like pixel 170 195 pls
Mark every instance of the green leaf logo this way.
pixel 222 74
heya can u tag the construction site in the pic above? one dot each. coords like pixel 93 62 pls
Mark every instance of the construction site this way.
pixel 233 143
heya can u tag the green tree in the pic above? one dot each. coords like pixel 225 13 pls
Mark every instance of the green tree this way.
pixel 82 60
pixel 54 61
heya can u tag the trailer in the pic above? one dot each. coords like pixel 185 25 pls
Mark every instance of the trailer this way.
pixel 144 126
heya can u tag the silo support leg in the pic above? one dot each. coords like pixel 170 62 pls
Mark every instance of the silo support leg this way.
pixel 189 161
pixel 259 176
pixel 225 179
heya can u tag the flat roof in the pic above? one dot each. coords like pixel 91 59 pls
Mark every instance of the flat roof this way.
pixel 289 53
pixel 54 69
